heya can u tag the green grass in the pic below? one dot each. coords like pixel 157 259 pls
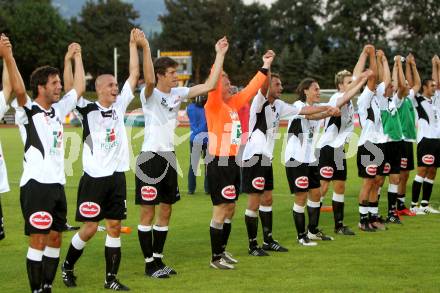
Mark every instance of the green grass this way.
pixel 404 258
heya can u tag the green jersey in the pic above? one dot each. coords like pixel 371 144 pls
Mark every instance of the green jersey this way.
pixel 391 121
pixel 408 117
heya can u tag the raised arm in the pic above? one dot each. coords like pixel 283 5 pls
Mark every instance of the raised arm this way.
pixel 79 81
pixel 435 69
pixel 7 88
pixel 13 75
pixel 415 75
pixel 408 71
pixel 265 88
pixel 147 66
pixel 353 90
pixel 360 65
pixel 385 68
pixel 401 87
pixel 373 67
pixel 221 47
pixel 133 68
pixel 395 76
pixel 238 100
pixel 68 70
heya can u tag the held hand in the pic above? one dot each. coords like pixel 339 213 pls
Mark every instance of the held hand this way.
pixel 334 111
pixel 141 40
pixel 268 58
pixel 369 49
pixel 222 46
pixel 5 46
pixel 366 74
pixel 72 49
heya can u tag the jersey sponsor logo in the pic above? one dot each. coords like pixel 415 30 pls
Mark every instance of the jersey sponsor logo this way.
pixel 403 163
pixel 428 159
pixel 258 183
pixel 149 193
pixel 302 182
pixel 57 143
pixel 89 209
pixel 371 170
pixel 110 141
pixel 228 192
pixel 326 172
pixel 41 220
pixel 386 168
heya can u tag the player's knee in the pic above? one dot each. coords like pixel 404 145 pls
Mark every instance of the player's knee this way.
pixel 114 229
pixel 38 241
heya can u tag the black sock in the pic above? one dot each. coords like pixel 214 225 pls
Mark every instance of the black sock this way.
pixel 392 197
pixel 416 187
pixel 159 238
pixel 300 220
pixel 72 257
pixel 338 213
pixel 313 213
pixel 427 191
pixel 400 202
pixel 146 241
pixel 216 235
pixel 363 213
pixel 252 228
pixel 266 223
pixel 35 274
pixel 2 228
pixel 50 266
pixel 226 232
pixel 112 261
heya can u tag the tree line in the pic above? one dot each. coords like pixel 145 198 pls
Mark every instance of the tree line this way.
pixel 314 38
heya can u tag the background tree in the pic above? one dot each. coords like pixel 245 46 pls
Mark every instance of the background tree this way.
pixel 38 33
pixel 102 26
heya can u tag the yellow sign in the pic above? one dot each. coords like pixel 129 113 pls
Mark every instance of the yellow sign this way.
pixel 175 53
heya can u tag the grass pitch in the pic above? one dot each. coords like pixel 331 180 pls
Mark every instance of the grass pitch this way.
pixel 405 258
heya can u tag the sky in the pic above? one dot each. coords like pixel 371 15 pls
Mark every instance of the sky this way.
pixel 266 2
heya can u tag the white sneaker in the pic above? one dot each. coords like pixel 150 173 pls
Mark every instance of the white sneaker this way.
pixel 305 241
pixel 228 258
pixel 418 211
pixel 430 210
pixel 319 236
pixel 221 264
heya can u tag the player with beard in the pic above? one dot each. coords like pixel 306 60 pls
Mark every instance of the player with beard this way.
pixel 42 196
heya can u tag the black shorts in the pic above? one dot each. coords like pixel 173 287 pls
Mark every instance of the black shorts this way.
pixel 223 180
pixel 393 154
pixel 428 153
pixel 43 206
pixel 407 160
pixel 332 164
pixel 257 175
pixel 156 178
pixel 101 198
pixel 369 157
pixel 302 176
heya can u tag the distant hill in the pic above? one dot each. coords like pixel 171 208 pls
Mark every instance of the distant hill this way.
pixel 149 10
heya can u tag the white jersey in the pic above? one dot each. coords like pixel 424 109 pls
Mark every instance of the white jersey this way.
pixel 369 116
pixel 42 134
pixel 160 113
pixel 263 125
pixel 428 116
pixel 302 137
pixel 337 130
pixel 4 186
pixel 105 148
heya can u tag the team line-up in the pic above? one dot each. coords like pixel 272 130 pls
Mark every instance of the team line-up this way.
pixel 390 105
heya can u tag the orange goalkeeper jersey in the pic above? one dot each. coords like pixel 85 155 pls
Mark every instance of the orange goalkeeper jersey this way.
pixel 224 126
